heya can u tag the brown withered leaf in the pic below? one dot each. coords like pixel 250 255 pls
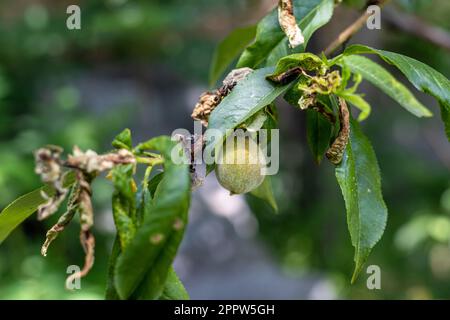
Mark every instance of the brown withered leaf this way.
pixel 208 101
pixel 288 23
pixel 336 151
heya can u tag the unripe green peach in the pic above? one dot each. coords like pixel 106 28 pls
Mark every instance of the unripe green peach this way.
pixel 240 166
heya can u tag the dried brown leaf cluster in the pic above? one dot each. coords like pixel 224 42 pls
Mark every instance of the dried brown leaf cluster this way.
pixel 86 166
pixel 208 101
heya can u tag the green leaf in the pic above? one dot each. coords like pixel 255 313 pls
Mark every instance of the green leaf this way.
pixel 445 116
pixel 316 18
pixel 124 203
pixel 346 74
pixel 123 140
pixel 210 167
pixel 143 199
pixel 20 209
pixel 154 182
pixel 111 292
pixel 293 95
pixel 23 207
pixel 143 266
pixel 386 82
pixel 174 289
pixel 247 98
pixel 357 101
pixel 422 76
pixel 265 192
pixel 228 50
pixel 359 178
pixel 269 34
pixel 280 51
pixel 319 132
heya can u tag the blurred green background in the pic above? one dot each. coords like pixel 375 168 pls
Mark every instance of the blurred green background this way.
pixel 142 65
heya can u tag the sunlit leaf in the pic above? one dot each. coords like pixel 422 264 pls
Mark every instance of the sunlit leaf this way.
pixel 422 76
pixel 386 82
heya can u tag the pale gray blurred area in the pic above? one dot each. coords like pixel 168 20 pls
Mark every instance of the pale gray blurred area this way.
pixel 221 257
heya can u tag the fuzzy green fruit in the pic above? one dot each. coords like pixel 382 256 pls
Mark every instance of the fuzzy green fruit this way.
pixel 239 170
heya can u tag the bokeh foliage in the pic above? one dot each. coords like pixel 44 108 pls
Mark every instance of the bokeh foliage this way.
pixel 41 103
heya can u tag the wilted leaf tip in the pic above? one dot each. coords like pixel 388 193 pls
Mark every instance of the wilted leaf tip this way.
pixel 288 23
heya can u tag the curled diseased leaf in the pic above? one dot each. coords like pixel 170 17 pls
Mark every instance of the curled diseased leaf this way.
pixel 270 39
pixel 49 167
pixel 88 243
pixel 79 202
pixel 305 61
pixel 64 220
pixel 309 20
pixel 288 23
pixel 84 201
pixel 123 140
pixel 208 101
pixel 86 165
pixel 336 151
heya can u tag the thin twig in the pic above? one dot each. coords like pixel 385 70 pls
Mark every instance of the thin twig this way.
pixel 417 27
pixel 345 35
